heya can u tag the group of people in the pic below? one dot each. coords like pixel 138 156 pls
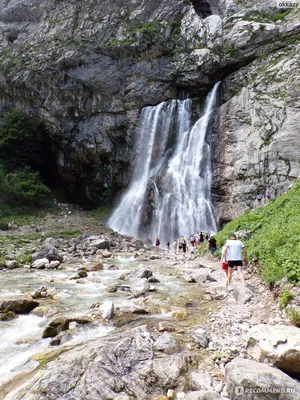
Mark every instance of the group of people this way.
pixel 182 245
pixel 233 254
pixel 259 197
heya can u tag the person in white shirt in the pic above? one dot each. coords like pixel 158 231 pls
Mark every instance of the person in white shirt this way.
pixel 232 252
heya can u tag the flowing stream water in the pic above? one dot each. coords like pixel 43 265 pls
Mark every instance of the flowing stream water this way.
pixel 21 338
pixel 170 191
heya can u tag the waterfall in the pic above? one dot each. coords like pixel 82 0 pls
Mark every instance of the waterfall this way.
pixel 170 191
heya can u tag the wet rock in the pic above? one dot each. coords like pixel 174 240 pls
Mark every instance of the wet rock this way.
pixel 8 316
pixel 106 254
pixel 242 294
pixel 107 310
pixel 179 314
pixel 139 286
pixel 152 279
pixel 276 344
pixel 42 292
pixel 96 267
pixel 82 274
pixel 241 373
pixel 40 263
pixel 21 306
pixel 112 267
pixel 201 338
pixel 62 324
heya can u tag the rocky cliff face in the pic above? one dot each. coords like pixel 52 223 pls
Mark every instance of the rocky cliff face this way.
pixel 85 70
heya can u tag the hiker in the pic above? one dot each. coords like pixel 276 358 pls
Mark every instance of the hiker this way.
pixel 192 249
pixel 175 246
pixel 212 247
pixel 224 265
pixel 233 250
pixel 259 199
pixel 192 240
pixel 201 239
pixel 168 246
pixel 197 239
pixel 157 244
pixel 183 246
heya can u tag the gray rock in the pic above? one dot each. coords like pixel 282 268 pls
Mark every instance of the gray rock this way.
pixel 276 344
pixel 105 368
pixel 98 243
pixel 49 252
pixel 201 338
pixel 165 343
pixel 107 310
pixel 40 263
pixel 141 271
pixel 202 395
pixel 139 286
pixel 242 374
pixel 11 264
pixel 21 306
pixel 242 294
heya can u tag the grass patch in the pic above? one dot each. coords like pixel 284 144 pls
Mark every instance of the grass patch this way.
pixel 294 316
pixel 65 234
pixel 101 213
pixel 275 236
pixel 284 298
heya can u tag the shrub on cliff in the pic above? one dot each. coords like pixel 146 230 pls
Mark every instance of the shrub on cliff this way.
pixel 21 191
pixel 18 145
pixel 275 236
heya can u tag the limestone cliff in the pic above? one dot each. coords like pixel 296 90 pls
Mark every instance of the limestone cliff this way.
pixel 85 70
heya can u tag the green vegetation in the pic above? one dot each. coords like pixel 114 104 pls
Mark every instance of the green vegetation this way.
pixel 22 189
pixel 294 316
pixel 43 361
pixel 146 31
pixel 285 297
pixel 101 213
pixel 274 241
pixel 261 16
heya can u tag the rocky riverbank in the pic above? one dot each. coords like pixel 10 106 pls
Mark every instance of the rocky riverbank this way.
pixel 168 327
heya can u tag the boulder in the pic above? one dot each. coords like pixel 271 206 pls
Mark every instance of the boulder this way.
pixel 62 324
pixel 40 263
pixel 107 310
pixel 47 251
pixel 96 267
pixel 54 264
pixel 201 338
pixel 242 294
pixel 11 264
pixel 108 368
pixel 166 326
pixel 249 380
pixel 82 274
pixel 98 243
pixel 200 381
pixel 140 271
pixel 139 286
pixel 165 343
pixel 277 344
pixel 21 306
pixel 106 254
pixel 7 316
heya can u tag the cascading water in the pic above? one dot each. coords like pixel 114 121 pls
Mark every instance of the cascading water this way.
pixel 170 191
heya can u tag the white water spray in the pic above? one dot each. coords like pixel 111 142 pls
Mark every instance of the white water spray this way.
pixel 170 191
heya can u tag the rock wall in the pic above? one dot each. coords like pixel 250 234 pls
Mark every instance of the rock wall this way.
pixel 85 70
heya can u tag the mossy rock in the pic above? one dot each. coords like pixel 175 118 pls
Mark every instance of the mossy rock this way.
pixel 22 306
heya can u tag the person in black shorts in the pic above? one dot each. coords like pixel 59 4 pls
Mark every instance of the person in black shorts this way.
pixel 232 252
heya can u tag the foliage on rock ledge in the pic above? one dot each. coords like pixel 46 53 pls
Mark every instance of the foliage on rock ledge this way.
pixel 274 241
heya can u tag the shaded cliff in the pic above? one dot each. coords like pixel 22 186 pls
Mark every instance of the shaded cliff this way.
pixel 86 70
